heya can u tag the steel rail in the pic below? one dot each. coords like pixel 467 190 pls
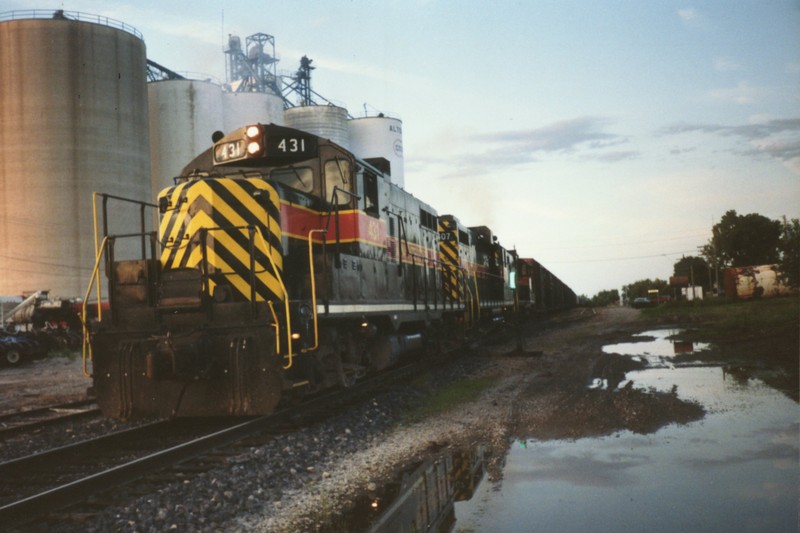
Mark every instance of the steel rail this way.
pixel 44 410
pixel 36 506
pixel 73 492
pixel 45 416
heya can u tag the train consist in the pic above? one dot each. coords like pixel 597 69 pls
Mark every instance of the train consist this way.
pixel 283 264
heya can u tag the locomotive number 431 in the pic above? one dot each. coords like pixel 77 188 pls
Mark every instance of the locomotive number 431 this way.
pixel 292 146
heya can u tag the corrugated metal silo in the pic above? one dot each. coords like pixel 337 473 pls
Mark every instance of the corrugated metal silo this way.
pixel 327 121
pixel 379 137
pixel 73 120
pixel 241 109
pixel 183 116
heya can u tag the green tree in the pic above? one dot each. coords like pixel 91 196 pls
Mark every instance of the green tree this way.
pixel 789 247
pixel 604 298
pixel 641 288
pixel 694 268
pixel 743 240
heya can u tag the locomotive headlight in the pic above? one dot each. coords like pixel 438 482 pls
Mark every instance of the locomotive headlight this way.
pixel 295 336
pixel 253 147
pixel 253 132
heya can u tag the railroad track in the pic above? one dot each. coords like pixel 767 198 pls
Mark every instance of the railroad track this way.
pixel 12 424
pixel 38 488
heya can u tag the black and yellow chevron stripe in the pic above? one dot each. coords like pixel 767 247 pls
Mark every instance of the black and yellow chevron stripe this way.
pixel 448 256
pixel 224 207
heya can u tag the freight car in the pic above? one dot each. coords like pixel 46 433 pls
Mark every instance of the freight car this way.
pixel 539 290
pixel 282 264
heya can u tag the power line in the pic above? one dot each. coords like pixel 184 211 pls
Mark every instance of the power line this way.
pixel 665 254
pixel 595 244
pixel 42 263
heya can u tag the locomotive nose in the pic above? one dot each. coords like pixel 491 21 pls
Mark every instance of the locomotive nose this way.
pixel 185 359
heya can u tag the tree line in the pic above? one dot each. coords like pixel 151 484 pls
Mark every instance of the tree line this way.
pixel 736 241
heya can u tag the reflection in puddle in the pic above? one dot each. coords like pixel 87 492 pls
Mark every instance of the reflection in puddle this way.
pixel 423 498
pixel 734 470
pixel 656 346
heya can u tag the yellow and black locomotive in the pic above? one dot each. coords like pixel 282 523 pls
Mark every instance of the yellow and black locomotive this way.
pixel 282 264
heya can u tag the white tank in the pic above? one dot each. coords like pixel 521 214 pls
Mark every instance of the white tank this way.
pixel 241 109
pixel 379 137
pixel 327 121
pixel 183 116
pixel 74 121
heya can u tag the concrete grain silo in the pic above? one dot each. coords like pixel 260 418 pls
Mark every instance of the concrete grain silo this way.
pixel 73 120
pixel 379 136
pixel 183 116
pixel 327 121
pixel 245 108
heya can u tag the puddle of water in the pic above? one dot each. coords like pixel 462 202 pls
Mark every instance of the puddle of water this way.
pixel 422 499
pixel 656 346
pixel 735 470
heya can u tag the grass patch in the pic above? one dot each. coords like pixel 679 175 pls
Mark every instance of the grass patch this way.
pixel 450 396
pixel 723 319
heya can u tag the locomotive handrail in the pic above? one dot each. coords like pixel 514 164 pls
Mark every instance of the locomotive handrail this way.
pixel 278 276
pixel 313 286
pixel 477 296
pixel 106 197
pixel 96 237
pixel 437 265
pixel 94 279
pixel 469 306
pixel 334 208
pixel 276 325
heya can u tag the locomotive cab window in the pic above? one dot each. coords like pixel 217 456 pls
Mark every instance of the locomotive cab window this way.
pixel 300 178
pixel 337 175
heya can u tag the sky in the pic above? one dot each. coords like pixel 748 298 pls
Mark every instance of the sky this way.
pixel 602 138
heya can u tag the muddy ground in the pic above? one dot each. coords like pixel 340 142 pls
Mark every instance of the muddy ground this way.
pixel 538 392
pixel 42 382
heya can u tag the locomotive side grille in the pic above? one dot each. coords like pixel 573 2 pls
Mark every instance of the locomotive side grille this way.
pixel 218 212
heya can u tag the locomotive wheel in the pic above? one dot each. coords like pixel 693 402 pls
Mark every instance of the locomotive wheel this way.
pixel 13 357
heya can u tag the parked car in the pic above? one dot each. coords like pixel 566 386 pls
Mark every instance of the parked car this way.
pixel 638 303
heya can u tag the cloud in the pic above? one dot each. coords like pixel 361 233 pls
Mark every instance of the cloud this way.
pixel 743 94
pixel 758 130
pixel 779 139
pixel 615 157
pixel 562 136
pixel 726 64
pixel 787 151
pixel 679 151
pixel 496 151
pixel 694 19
